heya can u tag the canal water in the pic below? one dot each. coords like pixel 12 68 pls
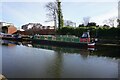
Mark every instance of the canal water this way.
pixel 26 60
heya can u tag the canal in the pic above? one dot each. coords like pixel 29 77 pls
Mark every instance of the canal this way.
pixel 26 60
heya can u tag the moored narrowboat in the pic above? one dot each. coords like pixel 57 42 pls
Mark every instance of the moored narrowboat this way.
pixel 64 40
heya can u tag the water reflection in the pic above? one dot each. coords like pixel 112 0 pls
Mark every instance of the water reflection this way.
pixel 109 51
pixel 56 67
pixel 27 60
pixel 9 43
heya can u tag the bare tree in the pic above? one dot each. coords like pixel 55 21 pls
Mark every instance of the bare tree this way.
pixel 86 20
pixel 55 13
pixel 52 15
pixel 69 23
pixel 110 21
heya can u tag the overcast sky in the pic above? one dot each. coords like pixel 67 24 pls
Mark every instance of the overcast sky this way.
pixel 33 11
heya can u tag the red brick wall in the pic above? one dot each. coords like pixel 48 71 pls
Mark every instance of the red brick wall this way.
pixel 11 29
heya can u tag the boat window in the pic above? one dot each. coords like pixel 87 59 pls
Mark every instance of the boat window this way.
pixel 85 35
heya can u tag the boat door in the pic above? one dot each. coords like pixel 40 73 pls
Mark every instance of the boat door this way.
pixel 85 37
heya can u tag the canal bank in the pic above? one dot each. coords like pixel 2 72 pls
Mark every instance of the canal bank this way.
pixel 56 40
pixel 101 42
pixel 63 40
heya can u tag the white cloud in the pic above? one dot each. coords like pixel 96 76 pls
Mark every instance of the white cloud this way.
pixel 61 0
pixel 100 18
pixel 16 15
pixel 89 0
pixel 27 0
pixel 48 23
pixel 0 11
pixel 22 17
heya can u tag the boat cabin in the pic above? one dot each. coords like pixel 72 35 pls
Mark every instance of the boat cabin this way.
pixel 85 37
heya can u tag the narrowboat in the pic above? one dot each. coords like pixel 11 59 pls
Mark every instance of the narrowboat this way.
pixel 64 40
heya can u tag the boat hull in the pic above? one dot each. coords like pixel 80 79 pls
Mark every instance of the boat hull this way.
pixel 60 43
pixel 91 45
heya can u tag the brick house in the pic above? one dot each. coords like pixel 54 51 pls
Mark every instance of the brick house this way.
pixel 7 28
